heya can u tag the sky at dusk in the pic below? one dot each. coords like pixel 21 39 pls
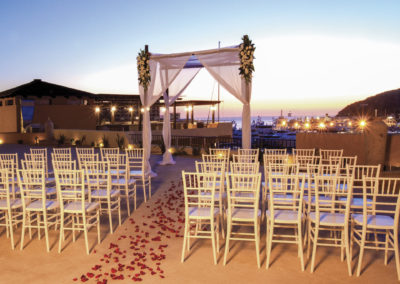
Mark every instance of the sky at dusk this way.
pixel 312 57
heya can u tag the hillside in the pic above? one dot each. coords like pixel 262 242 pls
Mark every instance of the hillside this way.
pixel 386 103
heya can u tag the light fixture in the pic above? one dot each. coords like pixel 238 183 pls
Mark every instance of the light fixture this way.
pixel 349 123
pixel 283 123
pixel 97 109
pixel 142 110
pixel 113 108
pixel 331 124
pixel 363 123
pixel 163 109
pixel 1 141
pixel 190 108
pixel 130 109
pixel 147 108
pixel 101 144
pixel 321 125
pixel 307 125
pixel 296 124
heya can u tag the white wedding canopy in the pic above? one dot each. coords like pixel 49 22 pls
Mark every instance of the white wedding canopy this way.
pixel 172 73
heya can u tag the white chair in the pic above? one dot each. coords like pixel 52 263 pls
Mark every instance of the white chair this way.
pixel 9 206
pixel 248 152
pixel 325 155
pixel 121 178
pixel 98 177
pixel 332 214
pixel 61 157
pixel 343 162
pixel 41 151
pixel 243 193
pixel 379 218
pixel 275 151
pixel 62 151
pixel 285 212
pixel 136 165
pixel 303 152
pixel 77 214
pixel 245 168
pixel 220 193
pixel 105 151
pixel 10 163
pixel 201 215
pixel 32 183
pixel 84 151
pixel 36 162
pixel 64 165
pixel 245 158
pixel 221 153
pixel 216 158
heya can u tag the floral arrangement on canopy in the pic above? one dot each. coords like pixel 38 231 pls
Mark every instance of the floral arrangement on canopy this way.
pixel 246 55
pixel 143 66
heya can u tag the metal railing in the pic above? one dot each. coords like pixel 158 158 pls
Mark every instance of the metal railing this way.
pixel 215 142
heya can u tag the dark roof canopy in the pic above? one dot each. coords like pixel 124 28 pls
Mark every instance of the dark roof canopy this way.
pixel 39 88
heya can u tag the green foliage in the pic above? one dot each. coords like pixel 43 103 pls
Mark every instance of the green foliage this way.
pixel 246 55
pixel 120 142
pixel 61 140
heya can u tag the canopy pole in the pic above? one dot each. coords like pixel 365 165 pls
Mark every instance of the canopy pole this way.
pixel 219 46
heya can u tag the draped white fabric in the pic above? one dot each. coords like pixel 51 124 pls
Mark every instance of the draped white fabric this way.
pixel 176 88
pixel 169 72
pixel 163 72
pixel 224 67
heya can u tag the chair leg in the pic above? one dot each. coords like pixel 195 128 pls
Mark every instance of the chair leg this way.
pixel 127 202
pixel 227 238
pixel 85 230
pixel 185 236
pixel 386 246
pixel 300 245
pixel 213 241
pixel 270 233
pixel 347 245
pixel 363 236
pixel 144 189
pixel 396 252
pixel 109 216
pixel 46 231
pixel 119 210
pixel 98 227
pixel 314 248
pixel 23 230
pixel 61 233
pixel 257 239
pixel 10 223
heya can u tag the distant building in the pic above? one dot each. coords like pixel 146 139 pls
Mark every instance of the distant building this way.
pixel 27 107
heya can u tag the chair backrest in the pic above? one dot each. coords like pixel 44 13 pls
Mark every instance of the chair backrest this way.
pixel 359 171
pixel 343 162
pixel 275 159
pixel 87 158
pixel 105 151
pixel 199 191
pixel 64 165
pixel 275 151
pixel 70 186
pixel 225 152
pixel 33 162
pixel 286 193
pixel 247 152
pixel 303 161
pixel 11 166
pixel 243 192
pixel 135 153
pixel 282 169
pixel 333 195
pixel 245 168
pixel 85 151
pixel 209 168
pixel 119 164
pixel 5 187
pixel 32 183
pixel 245 158
pixel 303 152
pixel 62 151
pixel 38 157
pixel 61 157
pixel 381 197
pixel 326 154
pixel 10 157
pixel 98 175
pixel 216 159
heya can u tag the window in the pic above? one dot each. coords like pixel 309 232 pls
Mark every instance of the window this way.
pixel 9 102
pixel 1 103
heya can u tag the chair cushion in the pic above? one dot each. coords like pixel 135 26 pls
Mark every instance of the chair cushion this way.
pixel 14 203
pixel 287 216
pixel 201 211
pixel 135 172
pixel 357 201
pixel 122 181
pixel 102 193
pixel 38 205
pixel 244 213
pixel 375 220
pixel 322 199
pixel 329 219
pixel 76 206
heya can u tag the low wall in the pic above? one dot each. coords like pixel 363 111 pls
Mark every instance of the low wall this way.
pixel 370 146
pixel 25 138
pixel 94 136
